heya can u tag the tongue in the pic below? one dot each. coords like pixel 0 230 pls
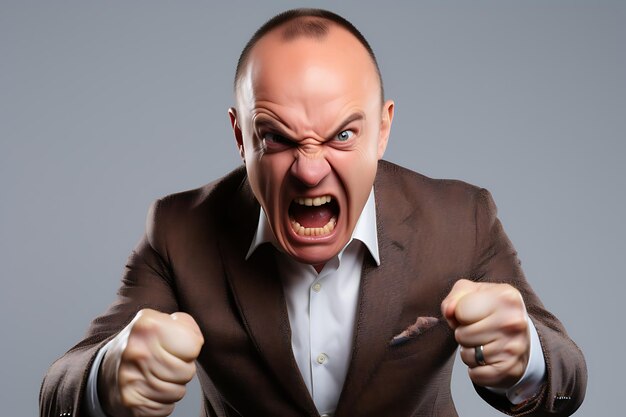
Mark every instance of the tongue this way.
pixel 311 216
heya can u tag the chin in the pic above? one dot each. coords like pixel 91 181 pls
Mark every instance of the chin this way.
pixel 314 255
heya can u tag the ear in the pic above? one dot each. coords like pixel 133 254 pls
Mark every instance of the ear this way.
pixel 386 119
pixel 232 113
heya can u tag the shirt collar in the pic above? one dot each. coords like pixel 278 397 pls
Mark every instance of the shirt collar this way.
pixel 365 231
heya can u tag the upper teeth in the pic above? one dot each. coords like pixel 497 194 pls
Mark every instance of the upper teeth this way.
pixel 317 201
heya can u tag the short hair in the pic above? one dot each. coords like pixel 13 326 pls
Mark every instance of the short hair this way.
pixel 312 23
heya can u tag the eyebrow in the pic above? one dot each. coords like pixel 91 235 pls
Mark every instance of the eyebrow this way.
pixel 268 123
pixel 352 118
pixel 279 127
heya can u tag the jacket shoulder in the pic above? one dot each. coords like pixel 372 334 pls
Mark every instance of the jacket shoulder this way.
pixel 206 194
pixel 396 183
pixel 202 208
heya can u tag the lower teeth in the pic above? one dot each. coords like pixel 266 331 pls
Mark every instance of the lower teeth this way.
pixel 314 231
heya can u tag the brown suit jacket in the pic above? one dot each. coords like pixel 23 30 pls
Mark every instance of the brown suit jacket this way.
pixel 431 233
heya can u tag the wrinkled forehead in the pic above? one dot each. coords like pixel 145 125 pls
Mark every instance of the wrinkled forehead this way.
pixel 324 65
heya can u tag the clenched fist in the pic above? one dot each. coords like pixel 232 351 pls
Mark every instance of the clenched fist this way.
pixel 492 316
pixel 148 364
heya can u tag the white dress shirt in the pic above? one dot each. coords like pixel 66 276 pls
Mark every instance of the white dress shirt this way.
pixel 322 309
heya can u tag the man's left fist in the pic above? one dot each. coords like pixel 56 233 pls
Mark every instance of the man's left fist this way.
pixel 492 316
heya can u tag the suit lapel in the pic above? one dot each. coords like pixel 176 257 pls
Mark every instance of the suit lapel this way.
pixel 258 293
pixel 382 294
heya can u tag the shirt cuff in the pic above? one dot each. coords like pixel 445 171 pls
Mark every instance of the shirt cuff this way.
pixel 92 402
pixel 530 384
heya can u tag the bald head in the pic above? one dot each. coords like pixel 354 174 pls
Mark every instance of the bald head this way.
pixel 304 23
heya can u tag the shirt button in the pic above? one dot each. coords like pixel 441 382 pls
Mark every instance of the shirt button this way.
pixel 317 287
pixel 322 358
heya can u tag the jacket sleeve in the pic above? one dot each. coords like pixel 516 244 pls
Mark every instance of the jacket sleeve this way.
pixel 566 374
pixel 147 283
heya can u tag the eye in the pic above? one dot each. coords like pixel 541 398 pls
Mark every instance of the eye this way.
pixel 274 138
pixel 344 135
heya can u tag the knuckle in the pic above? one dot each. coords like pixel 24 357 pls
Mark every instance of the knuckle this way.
pixel 510 295
pixel 153 381
pixel 144 324
pixel 124 378
pixel 129 378
pixel 460 284
pixel 520 325
pixel 186 372
pixel 147 315
pixel 180 392
pixel 467 360
pixel 458 335
pixel 168 392
pixel 191 372
pixel 511 371
pixel 135 352
pixel 515 348
pixel 476 375
pixel 483 375
pixel 515 323
pixel 128 399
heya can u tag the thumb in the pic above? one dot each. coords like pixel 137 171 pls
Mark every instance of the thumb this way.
pixel 448 306
pixel 181 336
pixel 187 321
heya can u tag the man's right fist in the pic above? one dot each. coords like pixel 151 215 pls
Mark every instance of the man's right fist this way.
pixel 148 364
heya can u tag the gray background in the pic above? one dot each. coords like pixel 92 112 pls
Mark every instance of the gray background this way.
pixel 105 106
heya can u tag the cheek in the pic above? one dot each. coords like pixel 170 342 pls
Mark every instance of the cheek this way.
pixel 356 171
pixel 272 171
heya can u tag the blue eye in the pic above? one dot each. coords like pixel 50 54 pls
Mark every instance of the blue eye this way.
pixel 344 135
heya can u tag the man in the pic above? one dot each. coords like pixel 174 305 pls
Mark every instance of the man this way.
pixel 319 279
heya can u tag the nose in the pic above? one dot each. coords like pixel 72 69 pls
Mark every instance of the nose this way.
pixel 310 170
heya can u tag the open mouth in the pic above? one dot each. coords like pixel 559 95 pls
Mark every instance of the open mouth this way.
pixel 313 216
